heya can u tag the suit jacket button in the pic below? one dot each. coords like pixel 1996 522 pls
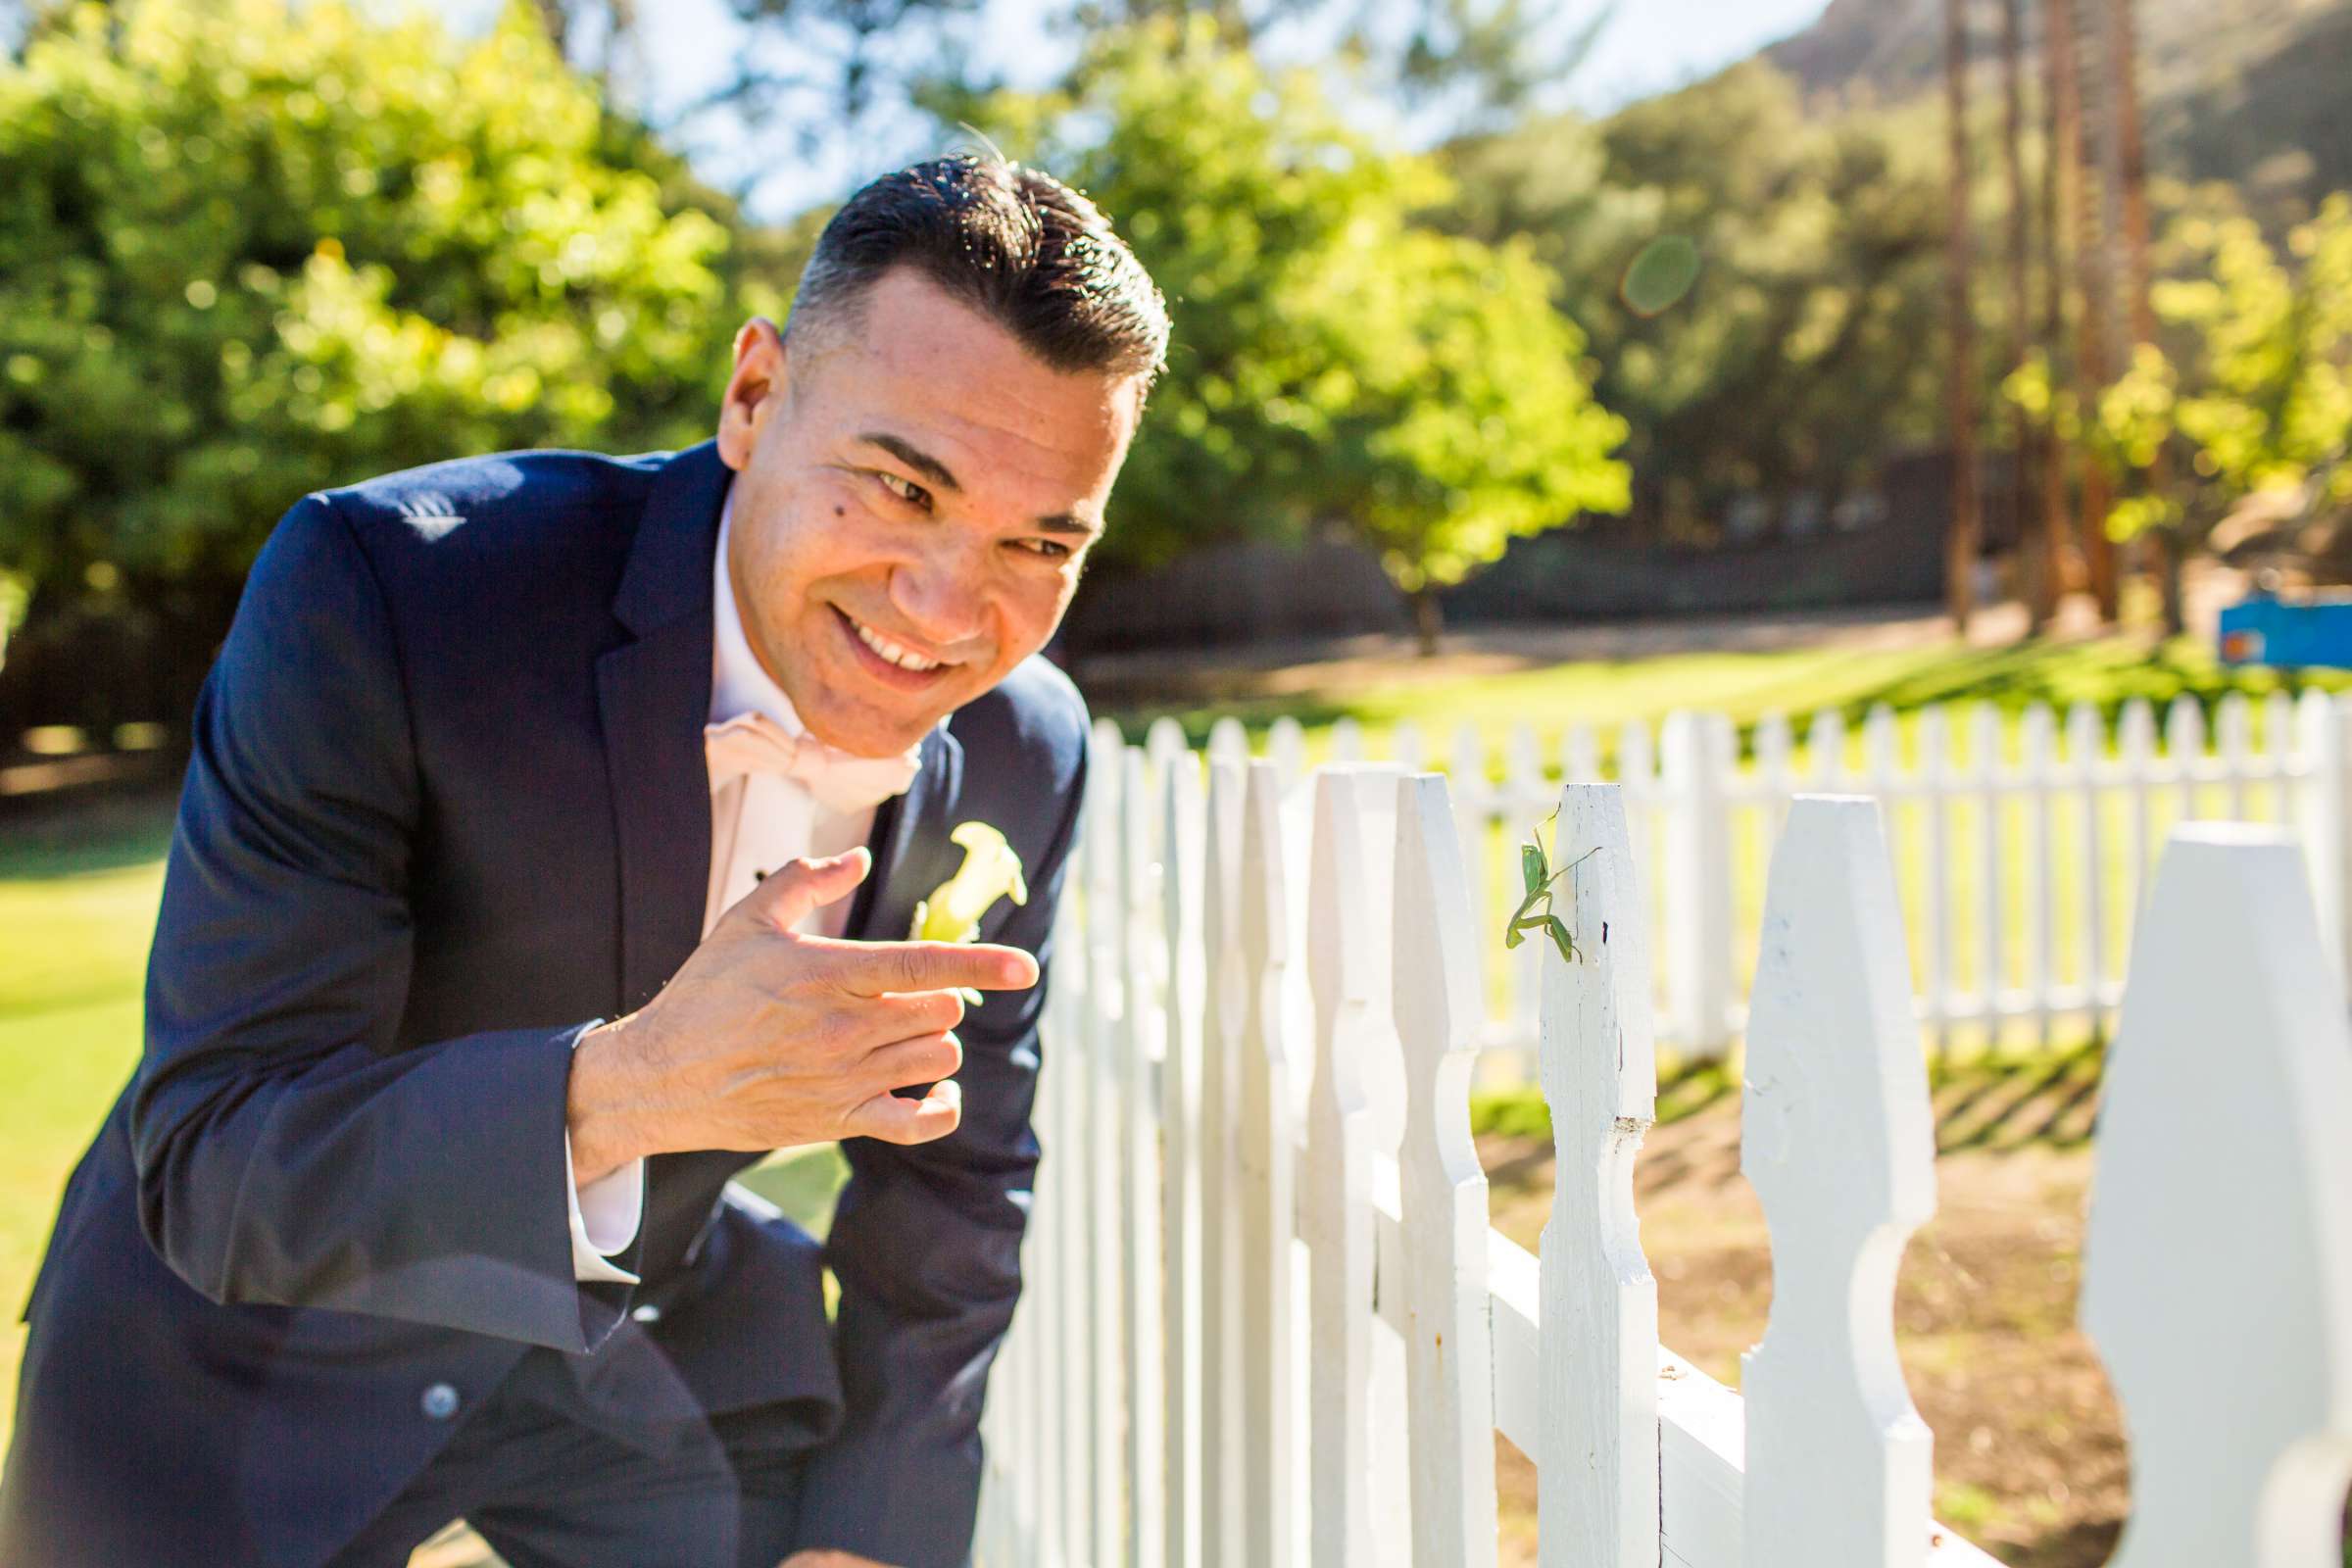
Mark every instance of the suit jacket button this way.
pixel 439 1402
pixel 648 1313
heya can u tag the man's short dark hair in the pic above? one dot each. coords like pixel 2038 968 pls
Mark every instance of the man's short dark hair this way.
pixel 1015 243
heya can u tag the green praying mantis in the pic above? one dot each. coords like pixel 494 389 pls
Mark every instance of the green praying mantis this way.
pixel 1535 910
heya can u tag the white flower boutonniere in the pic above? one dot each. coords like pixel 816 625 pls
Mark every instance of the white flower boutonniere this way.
pixel 991 870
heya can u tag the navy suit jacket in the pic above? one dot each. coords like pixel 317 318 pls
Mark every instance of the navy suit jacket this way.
pixel 446 807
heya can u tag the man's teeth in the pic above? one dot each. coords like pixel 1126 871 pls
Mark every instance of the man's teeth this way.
pixel 892 651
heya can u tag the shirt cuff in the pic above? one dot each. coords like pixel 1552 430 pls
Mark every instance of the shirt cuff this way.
pixel 604 1215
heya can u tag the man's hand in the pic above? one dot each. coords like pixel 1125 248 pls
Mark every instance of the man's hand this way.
pixel 767 1038
pixel 827 1557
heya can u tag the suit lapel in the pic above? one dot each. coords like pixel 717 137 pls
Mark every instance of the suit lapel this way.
pixel 909 844
pixel 654 696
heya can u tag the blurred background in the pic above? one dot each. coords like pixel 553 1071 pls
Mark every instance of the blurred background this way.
pixel 1533 361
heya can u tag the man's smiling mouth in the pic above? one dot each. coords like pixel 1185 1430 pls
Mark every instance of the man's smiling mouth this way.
pixel 888 651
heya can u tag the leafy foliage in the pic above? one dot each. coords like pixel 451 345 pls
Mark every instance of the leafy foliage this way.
pixel 1791 359
pixel 847 66
pixel 2263 398
pixel 1334 360
pixel 249 248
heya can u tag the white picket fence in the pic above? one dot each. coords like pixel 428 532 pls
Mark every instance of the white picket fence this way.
pixel 2020 865
pixel 1267 1324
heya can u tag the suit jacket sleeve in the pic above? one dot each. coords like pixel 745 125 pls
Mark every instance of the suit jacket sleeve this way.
pixel 926 1244
pixel 289 1149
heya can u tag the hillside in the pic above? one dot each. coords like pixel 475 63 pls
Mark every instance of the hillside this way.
pixel 2250 91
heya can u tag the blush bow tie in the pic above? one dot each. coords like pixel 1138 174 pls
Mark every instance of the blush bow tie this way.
pixel 841 781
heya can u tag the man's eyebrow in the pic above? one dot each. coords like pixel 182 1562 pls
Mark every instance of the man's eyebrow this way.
pixel 915 456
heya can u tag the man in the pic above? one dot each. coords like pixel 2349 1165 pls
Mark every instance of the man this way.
pixel 538 868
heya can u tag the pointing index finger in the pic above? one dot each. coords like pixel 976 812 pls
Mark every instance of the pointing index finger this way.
pixel 875 968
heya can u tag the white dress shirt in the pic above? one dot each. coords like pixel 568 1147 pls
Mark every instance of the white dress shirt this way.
pixel 757 824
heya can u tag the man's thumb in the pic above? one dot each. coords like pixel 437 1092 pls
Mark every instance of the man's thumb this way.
pixel 786 895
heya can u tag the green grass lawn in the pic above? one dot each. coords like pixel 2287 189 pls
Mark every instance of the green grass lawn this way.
pixel 2106 672
pixel 77 896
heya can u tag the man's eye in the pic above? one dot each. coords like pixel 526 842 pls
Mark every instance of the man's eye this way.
pixel 905 490
pixel 1048 549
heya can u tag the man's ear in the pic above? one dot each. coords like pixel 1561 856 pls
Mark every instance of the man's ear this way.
pixel 755 390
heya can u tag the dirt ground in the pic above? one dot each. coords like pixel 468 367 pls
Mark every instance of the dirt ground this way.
pixel 2029 1457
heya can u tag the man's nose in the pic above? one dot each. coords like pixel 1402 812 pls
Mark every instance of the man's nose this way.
pixel 940 595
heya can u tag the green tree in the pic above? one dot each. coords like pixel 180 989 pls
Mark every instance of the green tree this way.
pixel 2261 402
pixel 1335 362
pixel 1799 359
pixel 248 249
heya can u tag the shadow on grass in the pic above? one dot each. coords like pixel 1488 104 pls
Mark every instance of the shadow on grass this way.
pixel 1993 1104
pixel 2108 674
pixel 79 833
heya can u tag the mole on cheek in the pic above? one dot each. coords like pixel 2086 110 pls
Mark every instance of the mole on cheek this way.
pixel 840 512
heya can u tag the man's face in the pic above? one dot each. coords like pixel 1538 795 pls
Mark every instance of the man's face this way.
pixel 914 494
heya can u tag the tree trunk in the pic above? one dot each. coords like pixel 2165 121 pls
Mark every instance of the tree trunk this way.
pixel 2131 163
pixel 2032 573
pixel 1428 618
pixel 2062 566
pixel 2132 170
pixel 1960 544
pixel 2171 546
pixel 2093 365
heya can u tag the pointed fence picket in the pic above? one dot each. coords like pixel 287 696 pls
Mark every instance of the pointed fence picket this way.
pixel 1836 1142
pixel 1334 1194
pixel 2242 1447
pixel 1267 1212
pixel 1598 1427
pixel 1439 1272
pixel 1181 1179
pixel 1144 961
pixel 1225 995
pixel 1182 829
pixel 2025 841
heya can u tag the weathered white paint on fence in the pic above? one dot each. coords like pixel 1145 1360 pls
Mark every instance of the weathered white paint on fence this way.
pixel 1335 1212
pixel 1598 1455
pixel 1838 1143
pixel 1441 1269
pixel 1936 772
pixel 1985 759
pixel 2222 1304
pixel 1064 1244
pixel 2039 735
pixel 1268 1208
pixel 2135 754
pixel 1165 742
pixel 1821 1466
pixel 1224 1327
pixel 1286 748
pixel 1140 1045
pixel 2184 744
pixel 2085 752
pixel 2325 725
pixel 1228 741
pixel 1697 757
pixel 1181 836
pixel 1100 1132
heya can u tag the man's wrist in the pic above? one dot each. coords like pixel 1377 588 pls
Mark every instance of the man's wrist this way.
pixel 602 1111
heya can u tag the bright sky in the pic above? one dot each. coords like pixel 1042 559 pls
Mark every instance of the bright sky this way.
pixel 1646 46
